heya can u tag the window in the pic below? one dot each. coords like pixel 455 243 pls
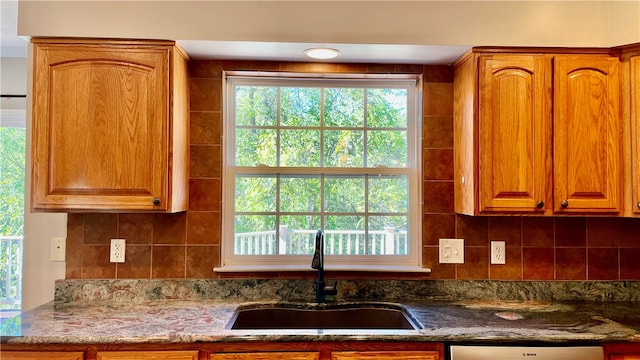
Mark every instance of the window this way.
pixel 12 172
pixel 336 154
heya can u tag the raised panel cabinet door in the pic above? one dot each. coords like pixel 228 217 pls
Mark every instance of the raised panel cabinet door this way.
pixel 100 126
pixel 147 355
pixel 635 130
pixel 514 107
pixel 41 355
pixel 267 356
pixel 587 134
pixel 382 355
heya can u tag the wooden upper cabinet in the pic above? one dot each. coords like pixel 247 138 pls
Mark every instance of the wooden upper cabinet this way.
pixel 514 139
pixel 634 77
pixel 537 133
pixel 110 126
pixel 587 134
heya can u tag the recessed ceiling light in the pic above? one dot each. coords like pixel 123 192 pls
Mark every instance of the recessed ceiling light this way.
pixel 322 53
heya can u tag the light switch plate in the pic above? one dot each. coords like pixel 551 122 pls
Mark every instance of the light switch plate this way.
pixel 451 251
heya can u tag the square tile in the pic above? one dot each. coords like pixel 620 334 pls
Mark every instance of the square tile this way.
pixel 170 228
pixel 437 164
pixel 473 229
pixel 512 270
pixel 476 264
pixel 436 226
pixel 506 228
pixel 168 262
pixel 537 264
pixel 571 263
pixel 137 263
pixel 438 196
pixel 201 260
pixel 135 228
pixel 537 232
pixel 570 231
pixel 602 263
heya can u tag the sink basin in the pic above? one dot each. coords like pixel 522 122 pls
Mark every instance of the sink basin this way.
pixel 323 316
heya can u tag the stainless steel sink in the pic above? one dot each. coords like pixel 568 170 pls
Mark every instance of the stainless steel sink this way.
pixel 323 316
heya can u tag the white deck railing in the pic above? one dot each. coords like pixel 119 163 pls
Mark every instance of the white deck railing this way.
pixel 337 242
pixel 10 270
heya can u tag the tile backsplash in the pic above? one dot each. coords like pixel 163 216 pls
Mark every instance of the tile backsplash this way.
pixel 187 245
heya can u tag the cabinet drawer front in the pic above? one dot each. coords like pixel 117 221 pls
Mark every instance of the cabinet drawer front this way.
pixel 382 355
pixel 147 355
pixel 41 355
pixel 267 356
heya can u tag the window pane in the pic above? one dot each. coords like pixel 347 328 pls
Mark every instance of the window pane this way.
pixel 299 106
pixel 387 108
pixel 388 194
pixel 344 235
pixel 255 194
pixel 300 194
pixel 344 107
pixel 256 105
pixel 255 235
pixel 344 194
pixel 297 234
pixel 388 148
pixel 388 235
pixel 255 146
pixel 343 148
pixel 300 148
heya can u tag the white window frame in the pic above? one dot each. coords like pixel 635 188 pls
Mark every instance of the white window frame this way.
pixel 231 262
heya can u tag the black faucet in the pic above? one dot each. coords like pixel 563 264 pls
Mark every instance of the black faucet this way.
pixel 318 263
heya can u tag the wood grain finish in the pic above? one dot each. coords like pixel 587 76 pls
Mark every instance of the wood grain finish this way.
pixel 514 133
pixel 587 134
pixel 147 355
pixel 537 133
pixel 634 80
pixel 109 127
pixel 42 355
pixel 383 355
pixel 267 356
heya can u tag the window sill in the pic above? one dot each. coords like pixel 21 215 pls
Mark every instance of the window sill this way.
pixel 279 268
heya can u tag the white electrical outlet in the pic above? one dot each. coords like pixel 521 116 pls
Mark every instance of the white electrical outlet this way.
pixel 116 255
pixel 58 249
pixel 451 251
pixel 498 253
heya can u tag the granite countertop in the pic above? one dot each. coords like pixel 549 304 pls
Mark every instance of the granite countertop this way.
pixel 163 312
pixel 188 321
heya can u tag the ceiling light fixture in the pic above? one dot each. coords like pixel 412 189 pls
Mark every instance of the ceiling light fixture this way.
pixel 322 53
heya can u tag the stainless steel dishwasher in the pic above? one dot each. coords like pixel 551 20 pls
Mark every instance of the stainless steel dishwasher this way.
pixel 472 352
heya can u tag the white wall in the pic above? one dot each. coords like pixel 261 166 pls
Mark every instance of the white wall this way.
pixel 39 272
pixel 507 23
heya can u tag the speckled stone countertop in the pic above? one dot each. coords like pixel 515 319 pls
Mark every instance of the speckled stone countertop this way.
pixel 95 312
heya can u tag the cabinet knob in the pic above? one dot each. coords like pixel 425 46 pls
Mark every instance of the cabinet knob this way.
pixel 564 204
pixel 638 204
pixel 540 204
pixel 156 201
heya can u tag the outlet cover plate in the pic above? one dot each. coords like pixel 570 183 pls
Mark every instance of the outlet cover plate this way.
pixel 116 254
pixel 451 251
pixel 498 253
pixel 58 248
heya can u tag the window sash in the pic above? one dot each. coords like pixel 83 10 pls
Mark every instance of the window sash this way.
pixel 411 171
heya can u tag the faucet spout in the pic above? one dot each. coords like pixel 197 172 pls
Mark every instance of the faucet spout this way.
pixel 322 290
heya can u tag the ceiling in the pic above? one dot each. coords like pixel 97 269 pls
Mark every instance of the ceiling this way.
pixel 12 45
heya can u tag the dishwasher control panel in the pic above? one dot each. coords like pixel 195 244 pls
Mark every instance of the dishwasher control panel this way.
pixel 472 352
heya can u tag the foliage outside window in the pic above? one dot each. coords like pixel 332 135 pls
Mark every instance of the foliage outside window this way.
pixel 303 154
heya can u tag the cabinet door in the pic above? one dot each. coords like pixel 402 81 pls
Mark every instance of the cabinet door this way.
pixel 587 134
pixel 267 356
pixel 147 355
pixel 100 127
pixel 635 130
pixel 624 357
pixel 371 355
pixel 514 132
pixel 41 355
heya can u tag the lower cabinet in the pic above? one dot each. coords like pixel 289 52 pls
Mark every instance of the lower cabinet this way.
pixel 267 356
pixel 42 355
pixel 147 355
pixel 622 351
pixel 380 355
